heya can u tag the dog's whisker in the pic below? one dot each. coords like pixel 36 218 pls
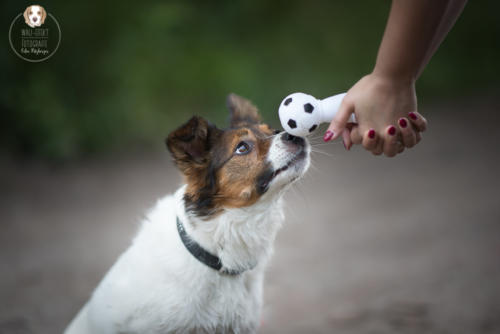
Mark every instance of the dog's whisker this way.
pixel 324 153
pixel 314 168
pixel 329 143
pixel 317 149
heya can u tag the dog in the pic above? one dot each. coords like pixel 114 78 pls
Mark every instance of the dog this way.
pixel 34 16
pixel 197 263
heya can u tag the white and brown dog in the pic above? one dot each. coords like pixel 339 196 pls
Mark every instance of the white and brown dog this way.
pixel 197 263
pixel 34 16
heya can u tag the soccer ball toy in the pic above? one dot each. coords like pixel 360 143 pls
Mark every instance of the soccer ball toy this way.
pixel 300 114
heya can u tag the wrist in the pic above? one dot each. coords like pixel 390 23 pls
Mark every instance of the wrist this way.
pixel 393 77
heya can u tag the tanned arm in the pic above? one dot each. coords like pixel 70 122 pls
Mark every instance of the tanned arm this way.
pixel 384 101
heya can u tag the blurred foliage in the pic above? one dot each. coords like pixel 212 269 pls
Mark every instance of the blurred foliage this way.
pixel 127 73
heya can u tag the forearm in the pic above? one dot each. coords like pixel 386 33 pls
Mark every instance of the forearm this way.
pixel 453 11
pixel 409 37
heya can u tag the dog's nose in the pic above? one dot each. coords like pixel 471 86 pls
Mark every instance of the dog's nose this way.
pixel 34 19
pixel 290 138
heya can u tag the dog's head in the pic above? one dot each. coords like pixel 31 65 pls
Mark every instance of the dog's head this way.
pixel 237 166
pixel 35 15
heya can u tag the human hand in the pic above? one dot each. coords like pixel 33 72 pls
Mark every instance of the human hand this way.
pixel 386 114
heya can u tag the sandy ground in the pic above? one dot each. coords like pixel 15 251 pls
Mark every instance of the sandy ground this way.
pixel 371 245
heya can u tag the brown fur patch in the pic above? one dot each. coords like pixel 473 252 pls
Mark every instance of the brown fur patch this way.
pixel 216 176
pixel 237 178
pixel 242 111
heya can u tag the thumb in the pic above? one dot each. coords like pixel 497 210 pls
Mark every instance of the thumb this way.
pixel 340 119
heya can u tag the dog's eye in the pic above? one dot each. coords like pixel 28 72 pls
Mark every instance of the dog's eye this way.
pixel 38 13
pixel 276 132
pixel 242 148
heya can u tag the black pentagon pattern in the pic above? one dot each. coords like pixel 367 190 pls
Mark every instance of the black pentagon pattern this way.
pixel 313 128
pixel 288 101
pixel 292 124
pixel 308 108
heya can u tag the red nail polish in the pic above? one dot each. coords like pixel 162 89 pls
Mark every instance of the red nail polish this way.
pixel 391 131
pixel 413 116
pixel 371 134
pixel 403 122
pixel 328 136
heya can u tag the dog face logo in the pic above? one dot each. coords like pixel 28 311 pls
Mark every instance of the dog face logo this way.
pixel 35 15
pixel 35 34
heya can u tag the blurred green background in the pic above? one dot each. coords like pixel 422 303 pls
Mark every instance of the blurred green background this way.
pixel 127 73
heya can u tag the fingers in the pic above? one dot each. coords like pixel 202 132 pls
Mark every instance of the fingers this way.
pixel 394 140
pixel 377 145
pixel 392 145
pixel 407 134
pixel 346 139
pixel 356 136
pixel 418 121
pixel 379 148
pixel 418 136
pixel 340 120
pixel 401 147
pixel 370 140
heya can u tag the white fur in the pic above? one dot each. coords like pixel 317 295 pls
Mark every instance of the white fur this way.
pixel 157 286
pixel 35 18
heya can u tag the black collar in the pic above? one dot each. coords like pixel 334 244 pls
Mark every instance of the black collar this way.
pixel 203 255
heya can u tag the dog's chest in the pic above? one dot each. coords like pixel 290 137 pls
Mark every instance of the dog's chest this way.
pixel 213 305
pixel 232 303
pixel 157 286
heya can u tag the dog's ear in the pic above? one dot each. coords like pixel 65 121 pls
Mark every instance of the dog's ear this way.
pixel 26 18
pixel 190 144
pixel 44 15
pixel 241 110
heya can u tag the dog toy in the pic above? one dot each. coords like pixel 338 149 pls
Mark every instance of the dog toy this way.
pixel 300 114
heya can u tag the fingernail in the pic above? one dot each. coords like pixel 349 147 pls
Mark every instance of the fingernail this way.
pixel 403 122
pixel 371 134
pixel 392 130
pixel 328 136
pixel 413 116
